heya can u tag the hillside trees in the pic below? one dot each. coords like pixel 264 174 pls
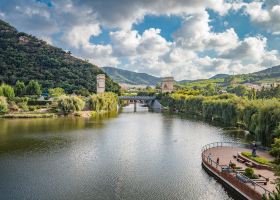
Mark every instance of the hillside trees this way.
pixel 33 88
pixel 20 88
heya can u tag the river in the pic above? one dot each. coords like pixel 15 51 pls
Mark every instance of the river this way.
pixel 140 155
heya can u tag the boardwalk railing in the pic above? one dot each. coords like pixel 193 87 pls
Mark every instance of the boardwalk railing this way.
pixel 231 175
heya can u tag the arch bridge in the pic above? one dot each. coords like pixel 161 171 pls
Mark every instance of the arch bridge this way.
pixel 151 101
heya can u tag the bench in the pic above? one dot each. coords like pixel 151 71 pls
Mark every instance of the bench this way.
pixel 249 164
pixel 267 179
pixel 262 181
pixel 240 160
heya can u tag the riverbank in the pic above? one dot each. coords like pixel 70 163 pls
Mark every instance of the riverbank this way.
pixel 30 115
pixel 259 117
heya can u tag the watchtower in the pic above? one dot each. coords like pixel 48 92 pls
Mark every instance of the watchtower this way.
pixel 167 84
pixel 100 85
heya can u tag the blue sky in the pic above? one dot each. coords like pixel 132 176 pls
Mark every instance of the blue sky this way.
pixel 187 39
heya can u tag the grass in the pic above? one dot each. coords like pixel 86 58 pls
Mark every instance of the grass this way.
pixel 258 159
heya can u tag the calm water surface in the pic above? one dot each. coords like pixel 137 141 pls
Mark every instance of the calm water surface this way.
pixel 140 155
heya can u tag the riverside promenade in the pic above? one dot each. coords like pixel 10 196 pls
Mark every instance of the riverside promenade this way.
pixel 233 179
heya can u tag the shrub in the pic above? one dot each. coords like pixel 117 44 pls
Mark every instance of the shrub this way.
pixel 7 91
pixel 20 88
pixel 3 105
pixel 250 173
pixel 257 159
pixel 103 102
pixel 275 151
pixel 33 88
pixel 33 108
pixel 56 92
pixel 23 105
pixel 70 104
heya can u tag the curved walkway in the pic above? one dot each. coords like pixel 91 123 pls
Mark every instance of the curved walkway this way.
pixel 226 152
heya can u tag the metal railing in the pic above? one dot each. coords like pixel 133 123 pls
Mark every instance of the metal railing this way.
pixel 226 169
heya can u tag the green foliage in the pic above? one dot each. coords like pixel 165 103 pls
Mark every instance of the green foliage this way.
pixel 268 93
pixel 70 104
pixel 103 102
pixel 129 77
pixel 249 172
pixel 83 92
pixel 260 117
pixel 275 150
pixel 257 159
pixel 34 59
pixel 20 88
pixel 240 90
pixel 33 88
pixel 56 92
pixel 275 194
pixel 3 105
pixel 7 91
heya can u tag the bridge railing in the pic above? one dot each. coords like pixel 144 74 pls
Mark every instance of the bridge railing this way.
pixel 143 98
pixel 225 169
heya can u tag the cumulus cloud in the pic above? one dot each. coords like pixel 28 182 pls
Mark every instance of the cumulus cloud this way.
pixel 266 14
pixel 195 51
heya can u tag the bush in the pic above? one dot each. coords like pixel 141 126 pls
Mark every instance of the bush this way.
pixel 70 104
pixel 275 151
pixel 250 173
pixel 20 88
pixel 23 105
pixel 38 102
pixel 257 159
pixel 7 91
pixel 56 92
pixel 3 105
pixel 103 102
pixel 33 108
pixel 33 88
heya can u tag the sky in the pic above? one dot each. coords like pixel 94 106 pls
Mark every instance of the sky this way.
pixel 187 39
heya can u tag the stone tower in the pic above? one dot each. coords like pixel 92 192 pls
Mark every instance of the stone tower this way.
pixel 167 84
pixel 100 85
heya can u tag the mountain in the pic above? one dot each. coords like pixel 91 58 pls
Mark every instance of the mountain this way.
pixel 24 57
pixel 219 76
pixel 129 77
pixel 269 75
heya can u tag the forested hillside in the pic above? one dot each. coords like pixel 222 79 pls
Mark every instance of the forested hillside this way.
pixel 24 57
pixel 129 77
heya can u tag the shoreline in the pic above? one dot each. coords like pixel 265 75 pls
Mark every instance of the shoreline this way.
pixel 34 115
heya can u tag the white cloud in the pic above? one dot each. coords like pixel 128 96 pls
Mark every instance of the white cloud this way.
pixel 186 57
pixel 79 36
pixel 266 14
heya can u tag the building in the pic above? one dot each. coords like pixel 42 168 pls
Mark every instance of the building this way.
pixel 100 85
pixel 167 84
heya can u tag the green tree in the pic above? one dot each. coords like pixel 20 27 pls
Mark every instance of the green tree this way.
pixel 3 105
pixel 56 92
pixel 229 80
pixel 70 104
pixel 33 88
pixel 7 91
pixel 241 90
pixel 209 90
pixel 275 151
pixel 20 88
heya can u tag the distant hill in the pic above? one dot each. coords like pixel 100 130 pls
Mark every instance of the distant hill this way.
pixel 219 76
pixel 184 81
pixel 24 57
pixel 129 77
pixel 269 75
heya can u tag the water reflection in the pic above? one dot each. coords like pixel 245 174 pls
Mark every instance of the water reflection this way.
pixel 140 155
